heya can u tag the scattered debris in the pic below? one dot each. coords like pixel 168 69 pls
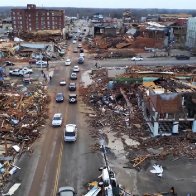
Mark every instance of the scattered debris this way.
pixel 22 113
pixel 118 108
pixel 158 169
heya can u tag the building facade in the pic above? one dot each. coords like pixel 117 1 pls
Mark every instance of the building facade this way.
pixel 33 19
pixel 191 33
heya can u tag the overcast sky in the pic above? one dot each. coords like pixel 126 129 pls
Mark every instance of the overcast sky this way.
pixel 173 4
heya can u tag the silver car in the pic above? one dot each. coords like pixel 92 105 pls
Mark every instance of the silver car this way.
pixel 66 191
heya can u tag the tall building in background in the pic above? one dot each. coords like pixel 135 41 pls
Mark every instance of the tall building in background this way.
pixel 191 33
pixel 33 19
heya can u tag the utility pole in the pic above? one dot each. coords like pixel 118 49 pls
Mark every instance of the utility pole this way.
pixel 5 145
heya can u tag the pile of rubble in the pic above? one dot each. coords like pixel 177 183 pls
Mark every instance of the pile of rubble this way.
pixel 22 113
pixel 42 36
pixel 117 43
pixel 116 107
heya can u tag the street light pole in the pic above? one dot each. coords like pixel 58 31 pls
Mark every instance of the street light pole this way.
pixel 41 61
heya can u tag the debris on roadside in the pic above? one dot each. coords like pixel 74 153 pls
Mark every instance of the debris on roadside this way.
pixel 157 169
pixel 23 111
pixel 116 106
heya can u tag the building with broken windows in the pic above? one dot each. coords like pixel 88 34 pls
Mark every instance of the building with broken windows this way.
pixel 191 33
pixel 169 107
pixel 33 19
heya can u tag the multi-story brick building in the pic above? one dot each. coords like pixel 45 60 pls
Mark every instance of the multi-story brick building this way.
pixel 32 19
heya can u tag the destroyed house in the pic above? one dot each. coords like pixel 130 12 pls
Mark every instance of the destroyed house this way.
pixel 168 111
pixel 104 29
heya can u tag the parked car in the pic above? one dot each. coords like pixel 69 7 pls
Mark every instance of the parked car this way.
pixel 27 79
pixel 182 57
pixel 32 61
pixel 72 86
pixel 136 58
pixel 62 83
pixel 68 62
pixel 74 41
pixel 41 62
pixel 57 119
pixel 70 133
pixel 76 68
pixel 59 97
pixel 20 72
pixel 80 60
pixel 27 70
pixel 79 38
pixel 81 50
pixel 73 76
pixel 72 98
pixel 9 63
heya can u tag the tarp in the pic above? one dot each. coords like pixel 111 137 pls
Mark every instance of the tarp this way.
pixel 12 189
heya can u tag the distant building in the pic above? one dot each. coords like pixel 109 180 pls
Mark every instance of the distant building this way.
pixel 152 18
pixel 97 18
pixel 179 30
pixel 191 33
pixel 32 19
pixel 7 23
pixel 173 17
pixel 105 29
pixel 128 16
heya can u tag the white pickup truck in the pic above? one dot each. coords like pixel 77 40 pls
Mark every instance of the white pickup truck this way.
pixel 20 72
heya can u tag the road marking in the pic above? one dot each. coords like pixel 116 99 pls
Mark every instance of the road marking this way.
pixel 58 170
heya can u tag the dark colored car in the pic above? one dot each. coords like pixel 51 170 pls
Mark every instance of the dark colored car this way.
pixel 8 63
pixel 182 57
pixel 72 86
pixel 59 97
pixel 81 50
pixel 72 98
pixel 32 61
pixel 81 60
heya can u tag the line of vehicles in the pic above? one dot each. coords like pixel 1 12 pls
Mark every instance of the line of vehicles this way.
pixel 70 130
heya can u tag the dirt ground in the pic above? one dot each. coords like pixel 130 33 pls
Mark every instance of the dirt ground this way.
pixel 176 172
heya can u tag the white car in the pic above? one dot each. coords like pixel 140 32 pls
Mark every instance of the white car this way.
pixel 41 63
pixel 57 120
pixel 137 58
pixel 76 68
pixel 70 133
pixel 27 70
pixel 79 45
pixel 20 72
pixel 66 191
pixel 82 55
pixel 74 41
pixel 62 83
pixel 68 62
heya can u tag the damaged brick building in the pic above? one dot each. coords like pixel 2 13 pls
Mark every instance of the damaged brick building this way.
pixel 168 107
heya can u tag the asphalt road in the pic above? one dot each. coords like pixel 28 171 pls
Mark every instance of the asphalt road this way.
pixel 55 163
pixel 122 62
pixel 147 61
